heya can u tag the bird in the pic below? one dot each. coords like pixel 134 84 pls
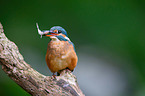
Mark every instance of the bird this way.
pixel 61 52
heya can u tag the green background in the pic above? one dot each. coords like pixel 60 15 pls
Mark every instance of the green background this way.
pixel 108 31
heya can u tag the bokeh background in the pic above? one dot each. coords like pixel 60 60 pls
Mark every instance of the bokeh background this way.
pixel 109 36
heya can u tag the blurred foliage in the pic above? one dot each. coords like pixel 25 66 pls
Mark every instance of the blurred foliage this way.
pixel 114 26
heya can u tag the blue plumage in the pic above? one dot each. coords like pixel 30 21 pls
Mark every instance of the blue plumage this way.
pixel 61 38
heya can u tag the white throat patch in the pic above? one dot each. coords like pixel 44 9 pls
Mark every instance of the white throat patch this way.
pixel 54 38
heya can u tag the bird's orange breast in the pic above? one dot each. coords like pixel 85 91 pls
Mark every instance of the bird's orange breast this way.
pixel 60 55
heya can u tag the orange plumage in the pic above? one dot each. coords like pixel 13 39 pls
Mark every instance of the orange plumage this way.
pixel 60 55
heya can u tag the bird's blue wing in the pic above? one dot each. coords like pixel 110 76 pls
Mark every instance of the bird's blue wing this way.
pixel 61 38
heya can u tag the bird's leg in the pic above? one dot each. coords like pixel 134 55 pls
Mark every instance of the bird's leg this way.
pixel 68 70
pixel 54 76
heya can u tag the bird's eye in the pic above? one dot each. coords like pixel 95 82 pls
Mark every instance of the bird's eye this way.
pixel 59 31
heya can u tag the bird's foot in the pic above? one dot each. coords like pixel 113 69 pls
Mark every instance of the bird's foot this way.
pixel 67 70
pixel 53 76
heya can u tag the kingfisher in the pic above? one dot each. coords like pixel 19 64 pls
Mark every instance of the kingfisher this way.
pixel 60 53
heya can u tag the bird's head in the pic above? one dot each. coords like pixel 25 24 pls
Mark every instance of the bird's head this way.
pixel 55 32
pixel 58 30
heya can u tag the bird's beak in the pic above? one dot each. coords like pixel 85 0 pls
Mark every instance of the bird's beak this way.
pixel 45 33
pixel 50 33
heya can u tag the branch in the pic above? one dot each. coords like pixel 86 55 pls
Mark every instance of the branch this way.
pixel 29 79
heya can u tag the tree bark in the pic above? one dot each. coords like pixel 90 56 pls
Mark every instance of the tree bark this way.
pixel 29 79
